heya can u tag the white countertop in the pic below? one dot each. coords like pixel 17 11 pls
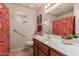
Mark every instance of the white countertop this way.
pixel 56 43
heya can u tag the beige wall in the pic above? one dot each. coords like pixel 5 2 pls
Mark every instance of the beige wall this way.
pixel 41 10
pixel 67 14
pixel 76 13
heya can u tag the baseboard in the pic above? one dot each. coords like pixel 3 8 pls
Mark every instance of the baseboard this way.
pixel 16 49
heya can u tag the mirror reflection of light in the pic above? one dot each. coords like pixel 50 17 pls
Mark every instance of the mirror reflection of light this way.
pixel 47 5
pixel 46 22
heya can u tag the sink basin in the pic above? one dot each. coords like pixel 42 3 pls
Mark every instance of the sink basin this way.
pixel 71 42
pixel 76 40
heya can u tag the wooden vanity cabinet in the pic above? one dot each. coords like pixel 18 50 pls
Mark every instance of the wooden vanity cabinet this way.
pixel 41 53
pixel 54 52
pixel 35 50
pixel 40 49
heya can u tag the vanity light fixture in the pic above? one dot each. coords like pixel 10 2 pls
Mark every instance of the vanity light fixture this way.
pixel 46 7
pixel 49 5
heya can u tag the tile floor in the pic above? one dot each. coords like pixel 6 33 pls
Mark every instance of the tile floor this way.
pixel 22 52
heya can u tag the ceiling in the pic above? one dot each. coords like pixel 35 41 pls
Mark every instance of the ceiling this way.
pixel 59 10
pixel 34 6
pixel 62 9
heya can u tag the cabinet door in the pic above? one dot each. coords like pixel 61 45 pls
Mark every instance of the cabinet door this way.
pixel 55 53
pixel 42 47
pixel 35 50
pixel 41 53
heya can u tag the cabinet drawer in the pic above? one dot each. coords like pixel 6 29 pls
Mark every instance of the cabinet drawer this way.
pixel 42 47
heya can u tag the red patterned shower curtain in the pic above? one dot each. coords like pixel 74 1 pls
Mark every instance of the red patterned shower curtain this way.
pixel 4 30
pixel 64 26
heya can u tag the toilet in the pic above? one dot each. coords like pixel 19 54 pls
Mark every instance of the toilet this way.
pixel 29 45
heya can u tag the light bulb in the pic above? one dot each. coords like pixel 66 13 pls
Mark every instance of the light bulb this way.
pixel 48 5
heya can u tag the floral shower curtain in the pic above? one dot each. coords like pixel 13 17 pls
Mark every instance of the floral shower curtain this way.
pixel 4 30
pixel 64 26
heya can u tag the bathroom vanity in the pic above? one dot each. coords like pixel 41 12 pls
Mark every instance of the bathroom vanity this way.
pixel 41 49
pixel 53 47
